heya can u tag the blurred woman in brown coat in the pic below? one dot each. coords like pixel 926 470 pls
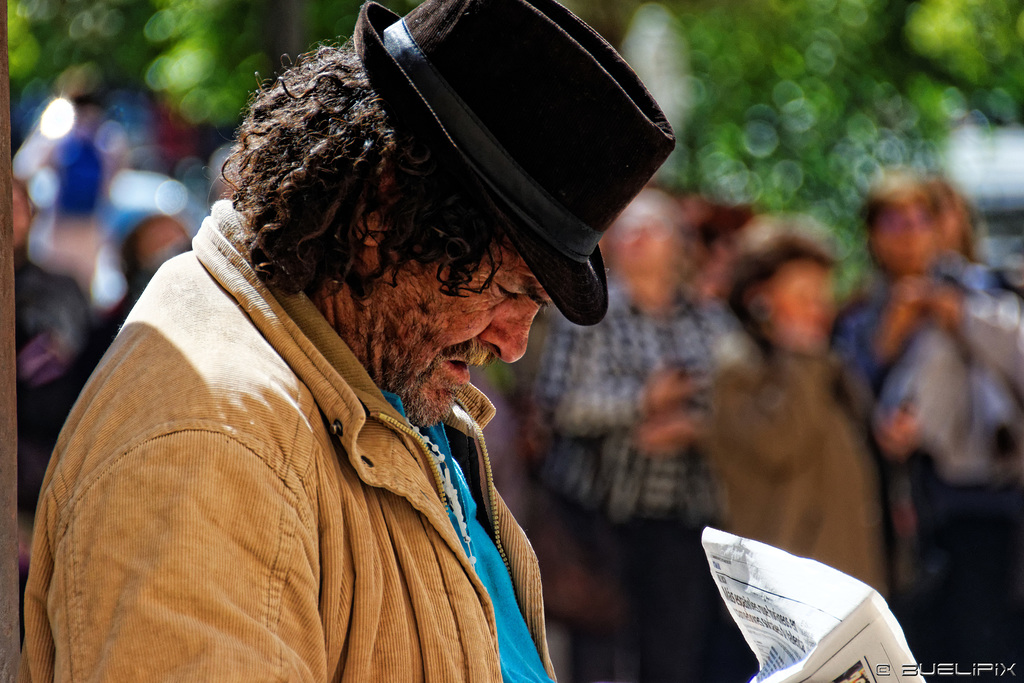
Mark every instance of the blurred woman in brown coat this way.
pixel 788 436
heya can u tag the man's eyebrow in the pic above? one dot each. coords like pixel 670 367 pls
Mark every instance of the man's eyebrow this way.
pixel 525 283
pixel 536 293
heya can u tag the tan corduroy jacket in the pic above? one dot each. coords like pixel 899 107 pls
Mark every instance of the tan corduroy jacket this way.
pixel 232 499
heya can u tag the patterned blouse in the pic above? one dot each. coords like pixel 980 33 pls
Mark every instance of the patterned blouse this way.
pixel 590 389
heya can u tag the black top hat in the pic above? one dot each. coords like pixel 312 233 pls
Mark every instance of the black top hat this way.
pixel 537 116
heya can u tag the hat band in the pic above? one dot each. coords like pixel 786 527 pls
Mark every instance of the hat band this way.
pixel 542 213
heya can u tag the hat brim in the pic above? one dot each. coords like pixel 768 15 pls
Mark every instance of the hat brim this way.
pixel 578 289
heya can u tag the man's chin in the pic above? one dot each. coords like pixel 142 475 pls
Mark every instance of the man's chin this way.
pixel 429 406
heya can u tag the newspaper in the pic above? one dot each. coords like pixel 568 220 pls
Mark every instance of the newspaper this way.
pixel 804 620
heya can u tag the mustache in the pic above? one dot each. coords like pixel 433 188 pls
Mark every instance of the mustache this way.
pixel 471 352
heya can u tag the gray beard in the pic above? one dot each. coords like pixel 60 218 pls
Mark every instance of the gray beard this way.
pixel 381 347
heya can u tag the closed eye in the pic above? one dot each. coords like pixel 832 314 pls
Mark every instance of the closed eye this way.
pixel 540 301
pixel 508 294
pixel 535 297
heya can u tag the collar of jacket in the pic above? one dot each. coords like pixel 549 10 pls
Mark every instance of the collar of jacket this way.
pixel 323 362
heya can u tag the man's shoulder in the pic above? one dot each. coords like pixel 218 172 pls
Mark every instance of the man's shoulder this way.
pixel 190 358
pixel 187 325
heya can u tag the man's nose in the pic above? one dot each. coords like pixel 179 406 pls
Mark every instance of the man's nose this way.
pixel 509 330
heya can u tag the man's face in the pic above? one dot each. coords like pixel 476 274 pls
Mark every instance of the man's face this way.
pixel 418 343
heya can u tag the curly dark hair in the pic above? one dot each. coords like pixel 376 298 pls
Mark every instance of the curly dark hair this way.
pixel 317 155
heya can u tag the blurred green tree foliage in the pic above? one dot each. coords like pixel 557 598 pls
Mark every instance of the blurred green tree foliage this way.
pixel 204 57
pixel 793 105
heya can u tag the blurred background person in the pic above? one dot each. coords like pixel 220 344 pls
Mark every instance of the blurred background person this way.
pixel 717 231
pixel 788 433
pixel 946 363
pixel 902 241
pixel 51 322
pixel 82 172
pixel 51 330
pixel 71 155
pixel 626 401
pixel 953 224
pixel 869 335
pixel 958 259
pixel 154 239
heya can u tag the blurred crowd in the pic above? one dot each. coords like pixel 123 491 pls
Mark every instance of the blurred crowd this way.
pixel 727 386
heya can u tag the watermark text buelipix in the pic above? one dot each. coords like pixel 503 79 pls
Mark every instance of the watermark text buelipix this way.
pixel 975 669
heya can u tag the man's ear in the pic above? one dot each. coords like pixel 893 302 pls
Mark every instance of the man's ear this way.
pixel 373 222
pixel 366 257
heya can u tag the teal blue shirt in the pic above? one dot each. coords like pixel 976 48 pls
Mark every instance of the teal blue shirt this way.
pixel 520 662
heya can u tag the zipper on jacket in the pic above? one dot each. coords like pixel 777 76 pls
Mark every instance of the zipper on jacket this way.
pixel 435 470
pixel 492 495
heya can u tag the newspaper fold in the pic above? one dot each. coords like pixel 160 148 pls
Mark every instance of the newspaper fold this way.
pixel 805 621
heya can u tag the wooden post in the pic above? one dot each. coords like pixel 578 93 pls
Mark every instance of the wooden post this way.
pixel 10 631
